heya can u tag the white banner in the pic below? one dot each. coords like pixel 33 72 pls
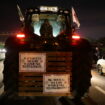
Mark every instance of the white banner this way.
pixel 32 62
pixel 75 18
pixel 56 83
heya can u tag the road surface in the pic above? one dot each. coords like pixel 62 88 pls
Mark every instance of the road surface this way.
pixel 97 91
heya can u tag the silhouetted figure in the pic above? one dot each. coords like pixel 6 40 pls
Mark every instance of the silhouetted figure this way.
pixel 46 29
pixel 96 54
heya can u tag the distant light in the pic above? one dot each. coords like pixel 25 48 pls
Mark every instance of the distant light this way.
pixel 3 50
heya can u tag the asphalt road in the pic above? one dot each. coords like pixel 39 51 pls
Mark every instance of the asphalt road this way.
pixel 97 91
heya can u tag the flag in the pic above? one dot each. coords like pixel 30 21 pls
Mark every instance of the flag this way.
pixel 20 13
pixel 74 18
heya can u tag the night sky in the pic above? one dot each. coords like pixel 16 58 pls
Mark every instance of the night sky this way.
pixel 91 14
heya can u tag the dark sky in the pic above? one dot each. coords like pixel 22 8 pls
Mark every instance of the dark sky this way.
pixel 91 14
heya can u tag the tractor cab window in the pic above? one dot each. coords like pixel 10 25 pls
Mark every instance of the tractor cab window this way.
pixel 57 21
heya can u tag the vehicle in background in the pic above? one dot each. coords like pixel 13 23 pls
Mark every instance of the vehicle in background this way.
pixel 101 65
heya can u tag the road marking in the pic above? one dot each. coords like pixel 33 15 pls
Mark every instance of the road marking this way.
pixel 100 89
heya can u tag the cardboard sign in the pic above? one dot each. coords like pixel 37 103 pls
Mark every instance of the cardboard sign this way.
pixel 56 83
pixel 32 62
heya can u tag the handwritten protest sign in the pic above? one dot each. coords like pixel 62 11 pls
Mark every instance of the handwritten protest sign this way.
pixel 35 62
pixel 56 83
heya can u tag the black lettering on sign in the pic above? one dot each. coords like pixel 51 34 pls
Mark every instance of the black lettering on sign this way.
pixel 56 84
pixel 32 62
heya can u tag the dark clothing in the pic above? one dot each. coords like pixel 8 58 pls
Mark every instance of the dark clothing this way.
pixel 46 30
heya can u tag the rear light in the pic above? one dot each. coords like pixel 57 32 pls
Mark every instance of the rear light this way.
pixel 20 36
pixel 75 40
pixel 75 37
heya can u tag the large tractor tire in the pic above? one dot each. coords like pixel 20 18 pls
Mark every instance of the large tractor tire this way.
pixel 82 64
pixel 81 74
pixel 10 71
